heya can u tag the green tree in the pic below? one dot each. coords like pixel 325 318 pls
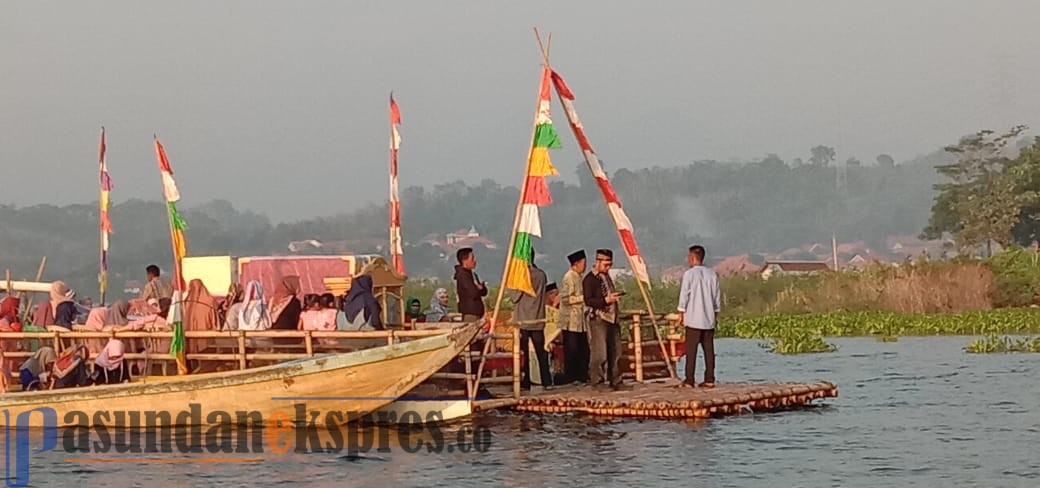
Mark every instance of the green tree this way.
pixel 983 201
pixel 822 155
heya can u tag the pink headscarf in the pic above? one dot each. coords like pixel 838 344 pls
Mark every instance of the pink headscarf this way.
pixel 111 356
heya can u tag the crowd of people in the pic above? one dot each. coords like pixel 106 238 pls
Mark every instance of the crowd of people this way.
pixel 584 315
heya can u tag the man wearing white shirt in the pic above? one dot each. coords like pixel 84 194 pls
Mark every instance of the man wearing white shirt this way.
pixel 698 305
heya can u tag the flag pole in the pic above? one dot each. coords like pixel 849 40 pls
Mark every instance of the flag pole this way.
pixel 169 218
pixel 516 223
pixel 394 207
pixel 103 268
pixel 177 344
pixel 571 115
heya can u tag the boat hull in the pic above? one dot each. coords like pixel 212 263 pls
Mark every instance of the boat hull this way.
pixel 352 383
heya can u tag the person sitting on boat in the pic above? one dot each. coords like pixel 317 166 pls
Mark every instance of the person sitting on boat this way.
pixel 155 321
pixel 66 312
pixel 315 318
pixel 253 315
pixel 33 372
pixel 414 312
pixel 439 310
pixel 83 308
pixel 9 322
pixel 200 314
pixel 155 288
pixel 109 363
pixel 286 308
pixel 332 314
pixel 101 319
pixel 70 369
pixel 46 312
pixel 361 309
pixel 230 308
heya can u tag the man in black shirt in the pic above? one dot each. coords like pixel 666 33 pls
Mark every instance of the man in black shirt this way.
pixel 468 287
pixel 604 331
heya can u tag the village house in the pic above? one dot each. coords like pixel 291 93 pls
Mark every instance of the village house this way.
pixel 741 265
pixel 778 268
pixel 673 274
pixel 462 238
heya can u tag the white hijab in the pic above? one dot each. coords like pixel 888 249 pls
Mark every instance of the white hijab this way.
pixel 254 314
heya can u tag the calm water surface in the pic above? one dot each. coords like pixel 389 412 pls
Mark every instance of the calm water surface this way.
pixel 918 412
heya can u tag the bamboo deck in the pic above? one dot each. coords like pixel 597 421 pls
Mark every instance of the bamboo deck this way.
pixel 663 400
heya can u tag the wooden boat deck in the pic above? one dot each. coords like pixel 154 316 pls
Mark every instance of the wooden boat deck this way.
pixel 663 400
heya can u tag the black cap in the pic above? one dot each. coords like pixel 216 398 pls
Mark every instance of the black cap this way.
pixel 576 256
pixel 606 253
pixel 550 287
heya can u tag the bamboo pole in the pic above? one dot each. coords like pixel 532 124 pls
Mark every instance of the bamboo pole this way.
pixel 516 362
pixel 653 321
pixel 470 393
pixel 637 339
pixel 642 287
pixel 242 349
pixel 516 221
pixel 28 306
pixel 103 287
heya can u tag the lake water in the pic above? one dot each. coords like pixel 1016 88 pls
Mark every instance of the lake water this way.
pixel 917 412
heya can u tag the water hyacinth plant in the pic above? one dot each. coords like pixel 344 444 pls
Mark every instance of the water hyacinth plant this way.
pixel 994 345
pixel 799 342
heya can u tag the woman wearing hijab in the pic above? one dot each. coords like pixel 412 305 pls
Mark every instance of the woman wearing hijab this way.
pixel 109 363
pixel 361 309
pixel 229 308
pixel 439 310
pixel 45 312
pixel 414 313
pixel 286 308
pixel 33 368
pixel 63 309
pixel 100 319
pixel 253 314
pixel 200 313
pixel 9 322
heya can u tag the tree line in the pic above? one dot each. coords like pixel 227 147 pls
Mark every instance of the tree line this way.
pixel 765 205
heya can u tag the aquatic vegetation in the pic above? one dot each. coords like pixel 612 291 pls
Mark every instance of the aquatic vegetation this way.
pixel 993 344
pixel 885 324
pixel 799 342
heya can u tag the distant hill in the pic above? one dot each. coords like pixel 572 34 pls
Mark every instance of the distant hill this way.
pixel 757 206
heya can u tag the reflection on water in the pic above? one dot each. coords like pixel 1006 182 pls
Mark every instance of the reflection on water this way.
pixel 916 412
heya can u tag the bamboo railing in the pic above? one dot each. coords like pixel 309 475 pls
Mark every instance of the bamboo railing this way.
pixel 239 348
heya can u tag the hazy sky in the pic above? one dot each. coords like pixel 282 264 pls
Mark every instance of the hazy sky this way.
pixel 281 106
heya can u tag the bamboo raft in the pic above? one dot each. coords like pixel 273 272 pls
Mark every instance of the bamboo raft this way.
pixel 664 401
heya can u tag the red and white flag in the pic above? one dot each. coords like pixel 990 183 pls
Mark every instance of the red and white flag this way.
pixel 396 248
pixel 617 213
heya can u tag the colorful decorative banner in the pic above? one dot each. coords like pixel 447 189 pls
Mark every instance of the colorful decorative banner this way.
pixel 396 248
pixel 180 249
pixel 534 194
pixel 617 214
pixel 104 200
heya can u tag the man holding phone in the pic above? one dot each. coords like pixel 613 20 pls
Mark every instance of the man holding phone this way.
pixel 604 332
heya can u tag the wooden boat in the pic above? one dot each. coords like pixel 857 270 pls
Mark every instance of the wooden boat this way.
pixel 361 381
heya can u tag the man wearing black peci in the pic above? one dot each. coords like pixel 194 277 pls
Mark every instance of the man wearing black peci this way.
pixel 604 331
